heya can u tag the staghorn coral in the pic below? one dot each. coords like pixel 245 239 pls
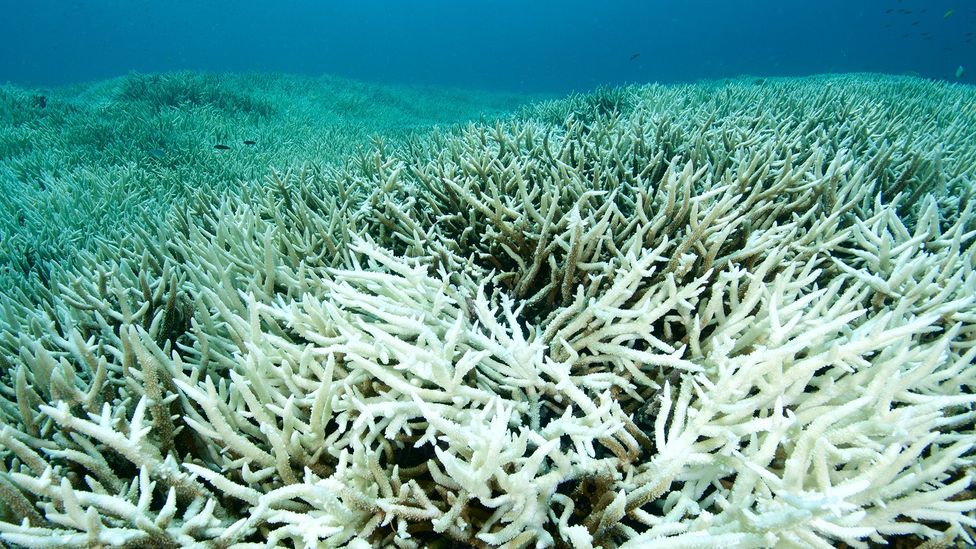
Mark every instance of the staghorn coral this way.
pixel 100 158
pixel 657 317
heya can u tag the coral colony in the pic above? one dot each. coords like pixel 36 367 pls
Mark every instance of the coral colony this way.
pixel 730 314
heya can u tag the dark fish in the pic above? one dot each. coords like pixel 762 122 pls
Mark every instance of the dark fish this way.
pixel 889 10
pixel 221 147
pixel 915 23
pixel 887 25
pixel 157 153
pixel 250 142
pixel 39 101
pixel 635 56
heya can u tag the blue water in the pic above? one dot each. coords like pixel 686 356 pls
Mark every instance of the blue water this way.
pixel 533 45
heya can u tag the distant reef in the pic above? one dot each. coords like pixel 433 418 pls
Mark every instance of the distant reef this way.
pixel 91 162
pixel 252 311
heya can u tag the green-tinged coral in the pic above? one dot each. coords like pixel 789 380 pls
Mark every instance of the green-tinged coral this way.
pixel 724 314
pixel 91 161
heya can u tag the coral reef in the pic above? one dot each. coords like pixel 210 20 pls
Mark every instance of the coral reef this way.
pixel 735 314
pixel 98 158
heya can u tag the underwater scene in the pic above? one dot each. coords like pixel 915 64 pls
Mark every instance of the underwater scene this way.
pixel 622 274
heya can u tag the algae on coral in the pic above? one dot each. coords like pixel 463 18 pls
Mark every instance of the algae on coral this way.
pixel 702 315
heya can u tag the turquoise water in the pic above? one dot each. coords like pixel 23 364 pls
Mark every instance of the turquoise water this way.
pixel 461 275
pixel 546 45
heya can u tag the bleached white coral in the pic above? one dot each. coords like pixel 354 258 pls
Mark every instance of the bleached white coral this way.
pixel 676 326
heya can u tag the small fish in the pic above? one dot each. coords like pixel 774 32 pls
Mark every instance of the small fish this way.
pixel 960 71
pixel 947 15
pixel 915 23
pixel 157 153
pixel 221 147
pixel 635 56
pixel 889 10
pixel 250 142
